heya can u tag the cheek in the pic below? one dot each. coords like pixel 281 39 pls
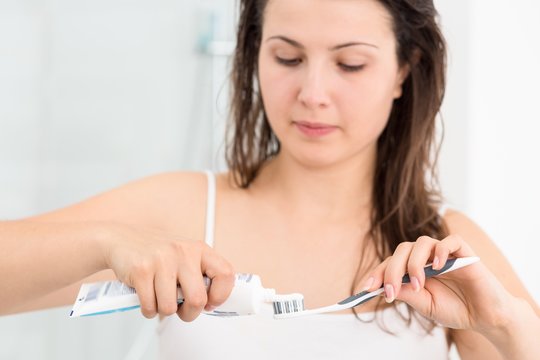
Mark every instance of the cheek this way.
pixel 368 102
pixel 277 89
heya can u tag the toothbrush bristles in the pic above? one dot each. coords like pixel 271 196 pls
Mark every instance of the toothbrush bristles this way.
pixel 286 304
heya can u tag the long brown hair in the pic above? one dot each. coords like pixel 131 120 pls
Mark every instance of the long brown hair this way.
pixel 406 194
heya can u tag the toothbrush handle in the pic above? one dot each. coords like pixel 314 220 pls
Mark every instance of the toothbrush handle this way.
pixel 451 264
pixel 430 272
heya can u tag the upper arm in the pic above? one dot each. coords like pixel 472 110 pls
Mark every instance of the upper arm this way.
pixel 469 342
pixel 170 201
pixel 488 252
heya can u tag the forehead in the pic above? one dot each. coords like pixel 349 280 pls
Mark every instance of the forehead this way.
pixel 328 21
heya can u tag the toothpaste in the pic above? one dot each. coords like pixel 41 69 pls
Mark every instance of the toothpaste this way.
pixel 114 296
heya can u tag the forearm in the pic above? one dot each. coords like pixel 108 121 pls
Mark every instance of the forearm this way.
pixel 38 258
pixel 518 334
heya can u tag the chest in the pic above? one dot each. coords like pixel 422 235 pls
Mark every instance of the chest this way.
pixel 318 260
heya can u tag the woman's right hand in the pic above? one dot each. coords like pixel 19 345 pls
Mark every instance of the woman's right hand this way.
pixel 155 262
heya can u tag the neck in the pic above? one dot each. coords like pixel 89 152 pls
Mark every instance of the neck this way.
pixel 338 193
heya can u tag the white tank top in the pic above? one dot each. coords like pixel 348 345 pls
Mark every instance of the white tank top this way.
pixel 325 336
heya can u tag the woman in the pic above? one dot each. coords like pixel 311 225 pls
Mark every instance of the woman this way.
pixel 334 106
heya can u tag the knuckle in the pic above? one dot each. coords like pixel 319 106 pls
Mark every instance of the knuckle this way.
pixel 148 311
pixel 168 309
pixel 442 247
pixel 197 299
pixel 198 246
pixel 455 237
pixel 191 249
pixel 415 268
pixel 170 276
pixel 179 248
pixel 147 315
pixel 187 314
pixel 424 240
pixel 404 245
pixel 383 265
pixel 189 317
pixel 142 269
pixel 159 254
pixel 183 315
pixel 229 274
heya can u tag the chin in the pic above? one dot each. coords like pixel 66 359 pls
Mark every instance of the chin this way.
pixel 316 159
pixel 324 156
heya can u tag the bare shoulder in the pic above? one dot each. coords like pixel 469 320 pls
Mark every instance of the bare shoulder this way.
pixel 171 201
pixel 469 342
pixel 492 257
pixel 460 224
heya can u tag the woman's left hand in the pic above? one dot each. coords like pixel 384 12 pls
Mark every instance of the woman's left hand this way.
pixel 467 298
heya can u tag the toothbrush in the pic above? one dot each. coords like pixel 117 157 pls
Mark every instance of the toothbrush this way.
pixel 290 306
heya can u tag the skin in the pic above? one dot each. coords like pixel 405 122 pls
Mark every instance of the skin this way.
pixel 351 86
pixel 311 202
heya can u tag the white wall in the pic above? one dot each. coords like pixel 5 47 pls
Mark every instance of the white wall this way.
pixel 504 128
pixel 455 23
pixel 489 165
pixel 94 94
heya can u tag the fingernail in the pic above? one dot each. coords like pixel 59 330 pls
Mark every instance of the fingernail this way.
pixel 368 284
pixel 389 293
pixel 415 284
pixel 435 264
pixel 209 308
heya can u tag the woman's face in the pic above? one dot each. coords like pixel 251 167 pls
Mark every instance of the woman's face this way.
pixel 328 74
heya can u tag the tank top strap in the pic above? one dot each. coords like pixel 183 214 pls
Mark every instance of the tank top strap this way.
pixel 210 208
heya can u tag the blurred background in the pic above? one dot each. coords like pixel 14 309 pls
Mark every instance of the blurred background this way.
pixel 94 94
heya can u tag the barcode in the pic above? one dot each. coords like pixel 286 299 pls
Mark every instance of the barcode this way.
pixel 287 307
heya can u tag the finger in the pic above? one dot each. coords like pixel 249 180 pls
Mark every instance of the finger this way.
pixel 421 253
pixel 220 288
pixel 451 245
pixel 423 301
pixel 144 285
pixel 165 284
pixel 193 290
pixel 397 267
pixel 222 275
pixel 375 277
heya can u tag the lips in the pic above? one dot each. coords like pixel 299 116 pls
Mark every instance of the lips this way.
pixel 313 125
pixel 314 129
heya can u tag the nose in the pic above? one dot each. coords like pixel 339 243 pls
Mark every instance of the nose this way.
pixel 313 91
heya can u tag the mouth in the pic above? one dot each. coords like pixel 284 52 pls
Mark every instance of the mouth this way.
pixel 314 129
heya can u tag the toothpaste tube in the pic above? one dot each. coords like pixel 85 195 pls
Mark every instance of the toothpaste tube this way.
pixel 114 296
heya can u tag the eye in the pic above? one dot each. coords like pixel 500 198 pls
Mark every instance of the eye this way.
pixel 351 68
pixel 288 62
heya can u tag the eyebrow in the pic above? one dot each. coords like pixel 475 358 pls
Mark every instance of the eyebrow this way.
pixel 333 48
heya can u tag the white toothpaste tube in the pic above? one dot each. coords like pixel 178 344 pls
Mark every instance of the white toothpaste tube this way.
pixel 114 296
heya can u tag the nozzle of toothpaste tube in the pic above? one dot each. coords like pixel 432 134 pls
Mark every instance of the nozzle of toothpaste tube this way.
pixel 108 297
